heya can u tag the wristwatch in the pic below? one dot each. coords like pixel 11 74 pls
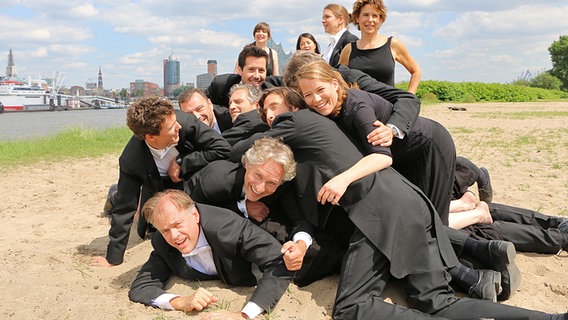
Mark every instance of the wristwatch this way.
pixel 395 131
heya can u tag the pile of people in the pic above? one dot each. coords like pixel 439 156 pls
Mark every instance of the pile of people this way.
pixel 325 170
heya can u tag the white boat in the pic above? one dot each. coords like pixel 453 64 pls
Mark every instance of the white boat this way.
pixel 17 96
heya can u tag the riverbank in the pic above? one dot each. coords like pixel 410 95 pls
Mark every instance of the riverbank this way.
pixel 52 224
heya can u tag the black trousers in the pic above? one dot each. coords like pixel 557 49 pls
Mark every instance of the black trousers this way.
pixel 432 169
pixel 528 230
pixel 365 273
pixel 325 255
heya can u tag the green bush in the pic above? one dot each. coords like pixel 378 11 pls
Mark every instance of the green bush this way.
pixel 446 91
pixel 546 81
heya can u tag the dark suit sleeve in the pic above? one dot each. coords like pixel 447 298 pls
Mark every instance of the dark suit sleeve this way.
pixel 285 129
pixel 273 81
pixel 216 90
pixel 126 203
pixel 260 248
pixel 199 144
pixel 245 126
pixel 291 206
pixel 150 281
pixel 236 243
pixel 213 185
pixel 406 106
pixel 360 110
pixel 152 277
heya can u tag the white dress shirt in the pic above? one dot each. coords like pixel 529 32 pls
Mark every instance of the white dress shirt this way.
pixel 332 43
pixel 164 157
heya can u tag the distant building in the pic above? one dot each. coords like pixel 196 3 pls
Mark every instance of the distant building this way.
pixel 11 68
pixel 212 67
pixel 171 75
pixel 144 89
pixel 100 84
pixel 91 86
pixel 283 57
pixel 77 91
pixel 204 80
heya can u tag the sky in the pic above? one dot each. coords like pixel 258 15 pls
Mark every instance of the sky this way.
pixel 452 40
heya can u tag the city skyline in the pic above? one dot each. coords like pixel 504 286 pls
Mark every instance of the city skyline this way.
pixel 451 40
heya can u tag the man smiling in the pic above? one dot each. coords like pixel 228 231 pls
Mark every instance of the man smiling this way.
pixel 256 189
pixel 196 102
pixel 252 64
pixel 243 105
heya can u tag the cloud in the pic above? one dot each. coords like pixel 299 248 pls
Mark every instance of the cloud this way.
pixel 85 10
pixel 534 19
pixel 40 53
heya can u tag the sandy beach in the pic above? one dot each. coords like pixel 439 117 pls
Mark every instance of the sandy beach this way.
pixel 51 214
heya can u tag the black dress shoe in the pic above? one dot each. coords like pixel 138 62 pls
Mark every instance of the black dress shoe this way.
pixel 502 259
pixel 109 204
pixel 563 227
pixel 484 186
pixel 487 287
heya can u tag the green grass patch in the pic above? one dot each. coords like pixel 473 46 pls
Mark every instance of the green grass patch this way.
pixel 521 115
pixel 76 142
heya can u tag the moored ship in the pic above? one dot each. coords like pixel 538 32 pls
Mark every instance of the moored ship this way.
pixel 17 96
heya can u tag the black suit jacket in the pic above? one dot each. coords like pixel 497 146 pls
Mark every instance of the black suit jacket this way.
pixel 346 37
pixel 221 182
pixel 235 243
pixel 384 206
pixel 223 117
pixel 246 124
pixel 406 106
pixel 218 90
pixel 139 178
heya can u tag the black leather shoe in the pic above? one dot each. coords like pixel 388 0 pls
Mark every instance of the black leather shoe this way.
pixel 563 227
pixel 487 287
pixel 109 204
pixel 502 258
pixel 484 186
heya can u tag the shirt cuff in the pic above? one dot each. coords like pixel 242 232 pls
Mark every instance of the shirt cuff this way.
pixel 396 131
pixel 242 205
pixel 163 301
pixel 303 236
pixel 252 310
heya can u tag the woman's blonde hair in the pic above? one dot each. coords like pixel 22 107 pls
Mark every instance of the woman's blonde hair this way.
pixel 322 71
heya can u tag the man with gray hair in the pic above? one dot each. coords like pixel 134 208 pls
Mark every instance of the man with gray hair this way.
pixel 256 189
pixel 243 108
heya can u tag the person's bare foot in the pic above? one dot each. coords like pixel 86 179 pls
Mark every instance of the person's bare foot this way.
pixel 485 214
pixel 467 202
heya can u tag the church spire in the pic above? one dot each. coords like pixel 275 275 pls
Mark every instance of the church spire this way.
pixel 11 68
pixel 100 85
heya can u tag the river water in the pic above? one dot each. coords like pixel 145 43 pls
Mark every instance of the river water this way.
pixel 24 125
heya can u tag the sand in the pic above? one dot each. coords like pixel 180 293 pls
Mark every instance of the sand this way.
pixel 50 213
